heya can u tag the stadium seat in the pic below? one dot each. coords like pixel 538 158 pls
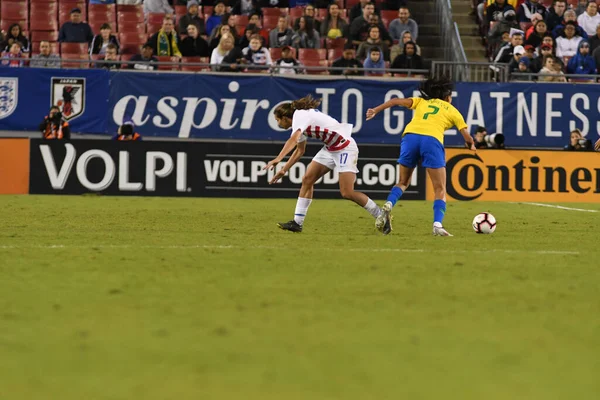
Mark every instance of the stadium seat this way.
pixel 106 8
pixel 14 10
pixel 38 36
pixel 335 43
pixel 73 48
pixel 321 13
pixel 270 21
pixel 312 54
pixel 276 53
pixel 42 2
pixel 6 23
pixel 194 68
pixel 167 67
pixel 132 38
pixel 102 18
pixel 296 12
pixel 35 47
pixel 155 18
pixel 153 28
pixel 43 23
pixel 207 10
pixel 351 3
pixel 334 54
pixel 130 48
pixel 75 64
pixel 133 28
pixel 387 16
pixel 241 19
pixel 180 11
pixel 96 24
pixel 316 63
pixel 273 11
pixel 129 17
pixel 130 8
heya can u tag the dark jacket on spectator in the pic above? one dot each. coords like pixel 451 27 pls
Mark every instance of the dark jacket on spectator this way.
pixel 348 64
pixel 232 57
pixel 408 62
pixel 191 47
pixel 495 12
pixel 189 19
pixel 75 33
pixel 533 8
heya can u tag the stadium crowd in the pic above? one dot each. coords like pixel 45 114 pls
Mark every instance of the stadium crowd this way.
pixel 351 37
pixel 544 37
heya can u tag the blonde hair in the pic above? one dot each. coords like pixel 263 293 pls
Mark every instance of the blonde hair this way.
pixel 224 37
pixel 305 103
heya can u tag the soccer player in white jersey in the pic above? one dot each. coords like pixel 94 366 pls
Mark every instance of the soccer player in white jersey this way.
pixel 340 151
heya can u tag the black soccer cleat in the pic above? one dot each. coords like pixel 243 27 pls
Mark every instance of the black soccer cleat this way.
pixel 291 226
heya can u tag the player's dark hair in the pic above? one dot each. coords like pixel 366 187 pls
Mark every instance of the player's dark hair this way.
pixel 305 103
pixel 436 88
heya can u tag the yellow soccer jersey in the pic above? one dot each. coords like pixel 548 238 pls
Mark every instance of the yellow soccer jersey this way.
pixel 433 117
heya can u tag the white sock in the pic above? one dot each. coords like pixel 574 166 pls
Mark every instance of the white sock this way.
pixel 372 208
pixel 437 225
pixel 301 208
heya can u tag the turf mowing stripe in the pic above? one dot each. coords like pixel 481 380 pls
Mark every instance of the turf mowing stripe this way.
pixel 555 206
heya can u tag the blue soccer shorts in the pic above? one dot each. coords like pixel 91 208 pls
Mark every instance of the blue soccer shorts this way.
pixel 427 149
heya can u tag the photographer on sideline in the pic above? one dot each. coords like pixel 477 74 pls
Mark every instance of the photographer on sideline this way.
pixel 54 126
pixel 480 138
pixel 578 143
pixel 127 132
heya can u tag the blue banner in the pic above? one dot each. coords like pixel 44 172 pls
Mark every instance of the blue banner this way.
pixel 26 95
pixel 240 106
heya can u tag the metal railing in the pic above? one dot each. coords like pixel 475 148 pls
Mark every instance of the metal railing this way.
pixel 471 71
pixel 198 67
pixel 451 42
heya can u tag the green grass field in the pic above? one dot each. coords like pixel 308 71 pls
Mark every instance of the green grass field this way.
pixel 140 298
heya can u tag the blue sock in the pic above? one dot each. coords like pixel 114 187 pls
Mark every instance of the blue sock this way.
pixel 439 210
pixel 395 195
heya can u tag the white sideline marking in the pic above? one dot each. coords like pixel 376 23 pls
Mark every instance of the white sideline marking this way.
pixel 229 247
pixel 555 206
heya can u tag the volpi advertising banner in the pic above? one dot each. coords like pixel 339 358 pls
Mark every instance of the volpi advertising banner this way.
pixel 521 175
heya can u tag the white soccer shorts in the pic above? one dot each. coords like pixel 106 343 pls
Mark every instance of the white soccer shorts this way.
pixel 344 160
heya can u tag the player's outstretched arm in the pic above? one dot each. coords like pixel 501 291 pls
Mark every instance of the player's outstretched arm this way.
pixel 469 142
pixel 287 147
pixel 597 145
pixel 296 155
pixel 371 112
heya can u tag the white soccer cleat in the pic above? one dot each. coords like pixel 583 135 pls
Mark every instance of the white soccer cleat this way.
pixel 383 223
pixel 440 231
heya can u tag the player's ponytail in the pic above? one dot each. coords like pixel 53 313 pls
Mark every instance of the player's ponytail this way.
pixel 440 88
pixel 305 103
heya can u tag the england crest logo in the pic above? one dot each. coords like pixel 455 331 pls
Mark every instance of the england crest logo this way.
pixel 9 96
pixel 69 95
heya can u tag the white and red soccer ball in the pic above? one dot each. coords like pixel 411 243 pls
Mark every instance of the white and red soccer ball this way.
pixel 484 223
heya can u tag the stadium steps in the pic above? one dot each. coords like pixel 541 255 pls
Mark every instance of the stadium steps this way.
pixel 469 31
pixel 429 32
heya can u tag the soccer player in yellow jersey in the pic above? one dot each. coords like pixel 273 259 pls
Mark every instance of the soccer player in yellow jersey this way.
pixel 423 140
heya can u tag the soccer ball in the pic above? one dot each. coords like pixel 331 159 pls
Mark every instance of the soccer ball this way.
pixel 484 223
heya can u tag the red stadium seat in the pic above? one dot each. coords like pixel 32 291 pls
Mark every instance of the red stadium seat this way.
pixel 321 13
pixel 276 53
pixel 38 36
pixel 6 23
pixel 194 68
pixel 95 17
pixel 207 10
pixel 335 43
pixel 133 28
pixel 74 48
pixel 312 54
pixel 43 23
pixel 273 11
pixel 97 24
pixel 241 20
pixel 351 3
pixel 168 67
pixel 180 11
pixel 14 10
pixel 130 8
pixel 75 64
pixel 43 2
pixel 334 54
pixel 155 18
pixel 316 63
pixel 129 17
pixel 130 48
pixel 270 21
pixel 132 38
pixel 296 12
pixel 153 28
pixel 388 16
pixel 106 8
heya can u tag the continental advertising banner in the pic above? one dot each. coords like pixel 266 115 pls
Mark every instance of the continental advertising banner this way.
pixel 197 169
pixel 521 175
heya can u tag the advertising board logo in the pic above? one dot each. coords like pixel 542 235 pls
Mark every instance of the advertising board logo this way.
pixel 69 95
pixel 9 96
pixel 514 175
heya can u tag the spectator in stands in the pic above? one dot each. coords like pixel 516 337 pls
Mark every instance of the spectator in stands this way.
pixel 570 16
pixel 577 142
pixel 245 7
pixel 373 40
pixel 528 8
pixel 1 37
pixel 508 21
pixel 497 11
pixel 383 32
pixel 226 54
pixel 15 34
pixel 273 3
pixel 403 23
pixel 334 26
pixel 250 31
pixel 360 24
pixel 14 52
pixel 231 22
pixel 590 19
pixel 45 59
pixel 374 63
pixel 127 132
pixel 165 42
pixel 347 61
pixel 287 64
pixel 306 37
pixel 254 19
pixel 566 45
pixel 75 31
pixel 536 63
pixel 100 42
pixel 409 59
pixel 157 6
pixel 552 74
pixel 216 37
pixel 144 61
pixel 556 13
pixel 281 36
pixel 129 2
pixel 505 54
pixel 215 19
pixel 358 10
pixel 580 8
pixel 256 55
pixel 518 52
pixel 534 20
pixel 111 57
pixel 539 31
pixel 398 49
pixel 595 40
pixel 54 127
pixel 194 45
pixel 309 11
pixel 192 17
pixel 582 63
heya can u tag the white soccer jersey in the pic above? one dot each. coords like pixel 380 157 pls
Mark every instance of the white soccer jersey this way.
pixel 313 123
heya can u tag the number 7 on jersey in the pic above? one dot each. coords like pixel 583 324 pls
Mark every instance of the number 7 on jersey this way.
pixel 433 112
